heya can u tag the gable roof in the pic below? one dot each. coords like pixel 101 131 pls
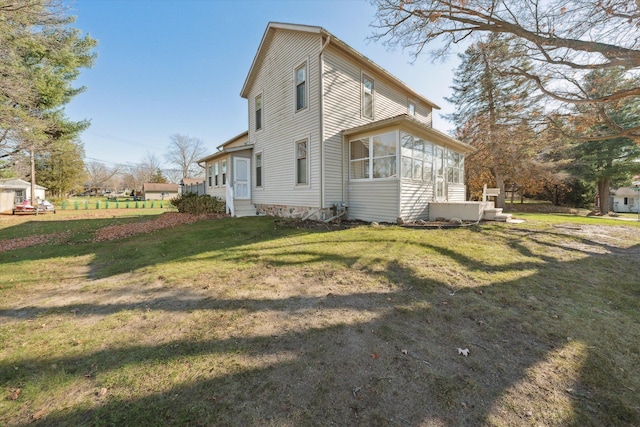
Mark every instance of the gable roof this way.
pixel 330 38
pixel 626 192
pixel 19 184
pixel 228 146
pixel 169 188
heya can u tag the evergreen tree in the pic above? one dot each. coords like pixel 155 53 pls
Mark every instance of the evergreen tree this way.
pixel 60 167
pixel 607 163
pixel 40 57
pixel 496 113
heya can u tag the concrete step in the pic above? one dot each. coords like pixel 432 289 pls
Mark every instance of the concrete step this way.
pixel 495 214
pixel 502 217
pixel 245 211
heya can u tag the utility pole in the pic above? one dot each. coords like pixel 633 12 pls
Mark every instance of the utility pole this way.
pixel 33 179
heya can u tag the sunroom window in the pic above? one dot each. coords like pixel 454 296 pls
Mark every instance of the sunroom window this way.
pixel 455 167
pixel 373 157
pixel 417 158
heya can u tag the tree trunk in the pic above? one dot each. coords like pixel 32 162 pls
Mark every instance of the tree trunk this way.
pixel 500 200
pixel 603 192
pixel 513 191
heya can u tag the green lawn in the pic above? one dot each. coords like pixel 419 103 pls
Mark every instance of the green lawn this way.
pixel 251 322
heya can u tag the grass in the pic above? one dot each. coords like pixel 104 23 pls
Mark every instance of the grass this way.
pixel 247 322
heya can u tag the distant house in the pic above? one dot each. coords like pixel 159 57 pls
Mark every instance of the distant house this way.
pixel 332 133
pixel 15 191
pixel 625 199
pixel 153 191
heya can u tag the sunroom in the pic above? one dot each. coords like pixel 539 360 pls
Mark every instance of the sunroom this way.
pixel 398 167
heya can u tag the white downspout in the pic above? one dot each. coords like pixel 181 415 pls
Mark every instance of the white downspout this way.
pixel 321 100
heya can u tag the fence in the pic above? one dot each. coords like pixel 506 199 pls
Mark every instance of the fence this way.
pixel 197 188
pixel 125 204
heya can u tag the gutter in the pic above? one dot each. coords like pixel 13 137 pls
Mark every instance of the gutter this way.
pixel 321 117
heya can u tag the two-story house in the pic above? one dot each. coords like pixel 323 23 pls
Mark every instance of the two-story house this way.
pixel 330 131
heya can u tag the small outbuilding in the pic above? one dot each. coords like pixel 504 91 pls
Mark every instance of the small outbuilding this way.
pixel 625 199
pixel 15 191
pixel 153 191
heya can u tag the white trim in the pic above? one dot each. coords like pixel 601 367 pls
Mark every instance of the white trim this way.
pixel 237 159
pixel 371 158
pixel 306 139
pixel 305 64
pixel 364 75
pixel 411 102
pixel 224 171
pixel 254 110
pixel 255 165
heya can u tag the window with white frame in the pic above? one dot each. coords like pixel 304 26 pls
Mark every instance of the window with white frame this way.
pixel 302 162
pixel 455 167
pixel 301 87
pixel 258 169
pixel 373 157
pixel 367 96
pixel 411 108
pixel 215 174
pixel 224 172
pixel 417 158
pixel 209 173
pixel 258 111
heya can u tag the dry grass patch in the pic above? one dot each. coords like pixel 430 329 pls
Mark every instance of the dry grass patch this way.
pixel 246 322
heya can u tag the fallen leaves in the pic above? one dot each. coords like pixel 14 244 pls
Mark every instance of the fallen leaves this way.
pixel 166 220
pixel 25 242
pixel 14 393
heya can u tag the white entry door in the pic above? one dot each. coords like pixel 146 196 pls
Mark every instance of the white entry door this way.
pixel 241 178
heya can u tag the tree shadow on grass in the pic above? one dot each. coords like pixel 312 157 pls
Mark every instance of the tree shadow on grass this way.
pixel 550 347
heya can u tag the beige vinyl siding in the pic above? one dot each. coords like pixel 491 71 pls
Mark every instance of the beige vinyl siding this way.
pixel 374 200
pixel 456 192
pixel 424 113
pixel 282 125
pixel 220 190
pixel 342 110
pixel 414 200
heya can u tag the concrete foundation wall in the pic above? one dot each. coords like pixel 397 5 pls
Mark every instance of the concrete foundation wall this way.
pixel 466 211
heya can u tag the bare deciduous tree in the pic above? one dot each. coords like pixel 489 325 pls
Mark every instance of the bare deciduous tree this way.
pixel 142 172
pixel 565 39
pixel 184 151
pixel 98 174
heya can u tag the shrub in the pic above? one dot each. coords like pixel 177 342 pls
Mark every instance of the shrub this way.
pixel 196 205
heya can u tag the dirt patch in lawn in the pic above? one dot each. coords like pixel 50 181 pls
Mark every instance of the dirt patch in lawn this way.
pixel 508 325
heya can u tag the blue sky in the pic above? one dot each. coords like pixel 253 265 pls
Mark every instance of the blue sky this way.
pixel 177 66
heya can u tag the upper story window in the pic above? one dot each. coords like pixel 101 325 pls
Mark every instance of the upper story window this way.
pixel 258 169
pixel 258 111
pixel 373 157
pixel 215 174
pixel 301 87
pixel 367 96
pixel 411 108
pixel 302 170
